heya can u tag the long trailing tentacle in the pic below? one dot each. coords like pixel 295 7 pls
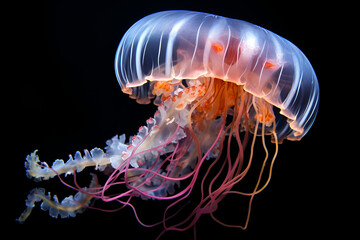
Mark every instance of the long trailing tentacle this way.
pixel 265 123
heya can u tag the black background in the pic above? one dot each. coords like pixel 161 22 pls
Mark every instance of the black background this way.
pixel 70 100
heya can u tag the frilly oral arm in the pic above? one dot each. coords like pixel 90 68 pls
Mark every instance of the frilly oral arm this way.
pixel 41 170
pixel 68 207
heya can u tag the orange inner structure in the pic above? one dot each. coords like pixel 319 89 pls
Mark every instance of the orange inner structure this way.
pixel 214 98
pixel 217 96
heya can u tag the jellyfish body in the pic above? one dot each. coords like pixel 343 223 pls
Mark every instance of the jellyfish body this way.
pixel 216 81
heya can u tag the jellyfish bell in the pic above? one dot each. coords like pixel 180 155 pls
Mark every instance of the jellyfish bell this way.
pixel 216 81
pixel 178 45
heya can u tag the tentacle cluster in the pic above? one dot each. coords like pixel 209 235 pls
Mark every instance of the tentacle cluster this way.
pixel 167 150
pixel 151 161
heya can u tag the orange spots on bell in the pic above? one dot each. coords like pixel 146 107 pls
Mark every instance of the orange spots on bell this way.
pixel 217 47
pixel 232 51
pixel 270 65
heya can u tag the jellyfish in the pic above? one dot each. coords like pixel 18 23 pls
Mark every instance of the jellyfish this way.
pixel 219 85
